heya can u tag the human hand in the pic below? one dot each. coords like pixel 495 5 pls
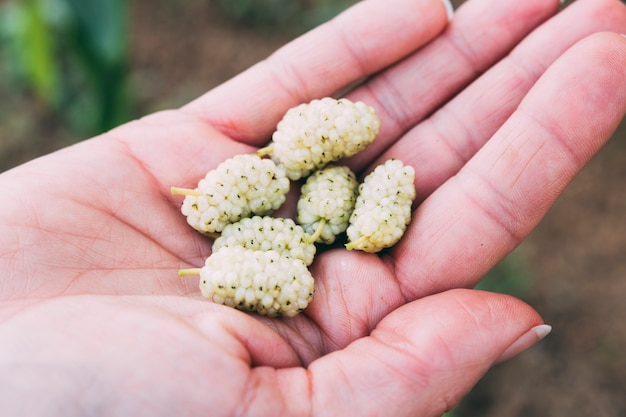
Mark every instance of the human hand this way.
pixel 93 316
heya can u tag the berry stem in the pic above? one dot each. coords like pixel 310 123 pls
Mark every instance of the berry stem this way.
pixel 318 231
pixel 356 243
pixel 265 151
pixel 189 271
pixel 185 191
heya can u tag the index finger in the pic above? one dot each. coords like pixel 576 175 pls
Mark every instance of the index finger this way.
pixel 363 40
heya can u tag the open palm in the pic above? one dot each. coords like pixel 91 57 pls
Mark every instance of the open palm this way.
pixel 495 121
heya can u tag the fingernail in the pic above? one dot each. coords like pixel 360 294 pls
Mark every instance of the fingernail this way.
pixel 449 9
pixel 527 340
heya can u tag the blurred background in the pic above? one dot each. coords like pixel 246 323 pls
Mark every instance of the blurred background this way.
pixel 71 69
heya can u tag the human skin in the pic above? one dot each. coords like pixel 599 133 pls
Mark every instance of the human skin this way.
pixel 496 111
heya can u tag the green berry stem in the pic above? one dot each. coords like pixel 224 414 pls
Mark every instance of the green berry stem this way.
pixel 185 191
pixel 356 243
pixel 265 151
pixel 318 231
pixel 189 271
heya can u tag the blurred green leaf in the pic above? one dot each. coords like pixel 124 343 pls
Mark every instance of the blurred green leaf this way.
pixel 260 12
pixel 511 276
pixel 297 15
pixel 73 54
pixel 25 29
pixel 103 26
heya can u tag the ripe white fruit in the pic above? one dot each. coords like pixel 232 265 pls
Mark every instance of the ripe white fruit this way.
pixel 262 281
pixel 383 207
pixel 239 187
pixel 268 233
pixel 326 202
pixel 259 263
pixel 325 130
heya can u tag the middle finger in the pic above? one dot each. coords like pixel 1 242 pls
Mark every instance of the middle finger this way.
pixel 440 145
pixel 481 32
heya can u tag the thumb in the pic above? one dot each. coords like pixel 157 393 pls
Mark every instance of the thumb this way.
pixel 424 357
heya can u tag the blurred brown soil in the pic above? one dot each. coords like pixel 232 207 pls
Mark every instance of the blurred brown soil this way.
pixel 576 258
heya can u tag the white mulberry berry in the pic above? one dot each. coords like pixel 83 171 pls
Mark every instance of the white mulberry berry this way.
pixel 313 134
pixel 268 233
pixel 383 207
pixel 261 281
pixel 326 202
pixel 239 187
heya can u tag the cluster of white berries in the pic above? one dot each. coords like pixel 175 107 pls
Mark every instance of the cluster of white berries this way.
pixel 260 263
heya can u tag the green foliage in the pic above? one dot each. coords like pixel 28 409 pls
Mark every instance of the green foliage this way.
pixel 510 276
pixel 297 15
pixel 72 55
pixel 28 47
pixel 259 12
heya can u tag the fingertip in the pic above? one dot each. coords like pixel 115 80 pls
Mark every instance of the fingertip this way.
pixel 439 346
pixel 449 9
pixel 525 341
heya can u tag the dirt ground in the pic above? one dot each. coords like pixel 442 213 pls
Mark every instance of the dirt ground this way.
pixel 575 260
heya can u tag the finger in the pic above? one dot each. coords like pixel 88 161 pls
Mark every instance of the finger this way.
pixel 478 216
pixel 174 148
pixel 358 43
pixel 481 32
pixel 422 358
pixel 443 143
